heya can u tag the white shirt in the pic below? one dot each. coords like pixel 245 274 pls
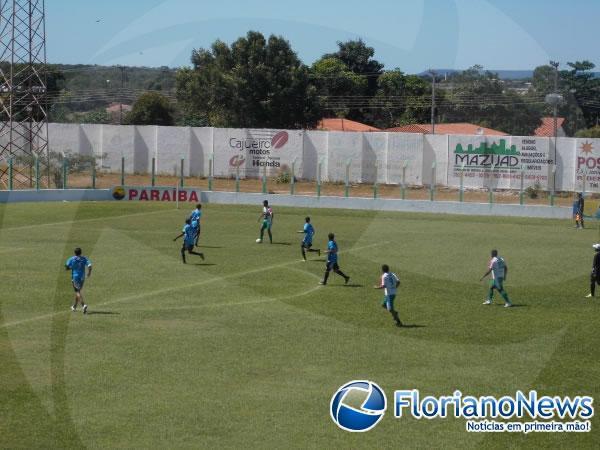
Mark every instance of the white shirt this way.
pixel 389 281
pixel 498 267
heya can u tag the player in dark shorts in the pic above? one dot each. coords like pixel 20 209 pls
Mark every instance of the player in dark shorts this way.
pixel 332 261
pixel 595 275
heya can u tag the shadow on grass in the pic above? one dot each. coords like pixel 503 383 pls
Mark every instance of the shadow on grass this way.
pixel 209 246
pixel 202 264
pixel 412 326
pixel 287 244
pixel 103 313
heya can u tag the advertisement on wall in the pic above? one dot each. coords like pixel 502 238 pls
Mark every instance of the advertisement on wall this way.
pixel 499 162
pixel 252 152
pixel 587 165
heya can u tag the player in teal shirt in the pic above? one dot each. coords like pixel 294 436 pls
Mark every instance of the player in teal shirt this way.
pixel 77 265
pixel 332 261
pixel 307 242
pixel 196 217
pixel 189 234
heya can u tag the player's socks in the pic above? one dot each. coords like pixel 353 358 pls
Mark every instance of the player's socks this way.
pixel 396 318
pixel 85 309
pixel 74 308
pixel 324 282
pixel 491 295
pixel 505 297
pixel 303 253
pixel 270 237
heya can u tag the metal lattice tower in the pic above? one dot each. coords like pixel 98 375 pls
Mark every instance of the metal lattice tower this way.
pixel 23 112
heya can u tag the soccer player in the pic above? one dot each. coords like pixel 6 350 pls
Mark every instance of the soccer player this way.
pixel 77 264
pixel 595 275
pixel 197 216
pixel 499 270
pixel 332 261
pixel 390 283
pixel 307 242
pixel 267 217
pixel 189 233
pixel 580 202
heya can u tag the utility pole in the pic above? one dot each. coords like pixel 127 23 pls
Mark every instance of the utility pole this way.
pixel 555 99
pixel 121 96
pixel 433 74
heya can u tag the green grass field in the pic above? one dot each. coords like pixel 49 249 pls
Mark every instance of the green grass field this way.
pixel 246 350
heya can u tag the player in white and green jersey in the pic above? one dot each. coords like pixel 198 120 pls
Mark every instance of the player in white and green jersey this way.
pixel 267 221
pixel 498 268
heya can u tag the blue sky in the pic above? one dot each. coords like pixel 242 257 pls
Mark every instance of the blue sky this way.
pixel 412 35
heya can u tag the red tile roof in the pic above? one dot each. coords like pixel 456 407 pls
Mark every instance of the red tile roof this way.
pixel 344 125
pixel 546 129
pixel 448 128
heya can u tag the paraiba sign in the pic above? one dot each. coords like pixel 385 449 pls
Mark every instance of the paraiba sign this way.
pixel 156 194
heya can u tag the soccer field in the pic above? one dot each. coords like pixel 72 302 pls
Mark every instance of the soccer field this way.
pixel 245 349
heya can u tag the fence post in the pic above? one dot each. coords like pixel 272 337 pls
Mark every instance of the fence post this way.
pixel 153 172
pixel 376 185
pixel 584 183
pixel 293 178
pixel 491 187
pixel 181 174
pixel 461 192
pixel 522 191
pixel 403 185
pixel 319 168
pixel 264 180
pixel 65 173
pixel 237 178
pixel 552 192
pixel 10 174
pixel 94 175
pixel 122 171
pixel 432 187
pixel 347 180
pixel 37 173
pixel 210 172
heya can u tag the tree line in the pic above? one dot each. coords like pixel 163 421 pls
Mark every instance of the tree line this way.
pixel 260 82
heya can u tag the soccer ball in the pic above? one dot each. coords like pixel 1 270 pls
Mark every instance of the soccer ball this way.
pixel 258 241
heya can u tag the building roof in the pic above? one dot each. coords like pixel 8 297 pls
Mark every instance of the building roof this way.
pixel 116 107
pixel 449 128
pixel 546 129
pixel 343 125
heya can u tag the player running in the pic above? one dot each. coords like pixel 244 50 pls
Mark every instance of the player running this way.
pixel 389 283
pixel 189 233
pixel 499 270
pixel 267 217
pixel 332 261
pixel 595 275
pixel 77 264
pixel 307 242
pixel 197 216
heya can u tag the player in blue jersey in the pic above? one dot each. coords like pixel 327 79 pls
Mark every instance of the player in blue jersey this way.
pixel 332 261
pixel 77 265
pixel 267 217
pixel 197 216
pixel 189 233
pixel 307 242
pixel 389 283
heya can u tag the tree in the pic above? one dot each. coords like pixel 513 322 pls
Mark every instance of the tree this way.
pixel 592 133
pixel 479 97
pixel 151 108
pixel 336 83
pixel 399 100
pixel 255 82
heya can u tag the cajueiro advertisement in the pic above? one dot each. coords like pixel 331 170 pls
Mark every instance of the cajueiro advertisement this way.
pixel 499 162
pixel 252 152
pixel 156 194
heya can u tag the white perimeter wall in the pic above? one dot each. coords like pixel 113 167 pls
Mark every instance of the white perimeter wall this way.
pixel 481 162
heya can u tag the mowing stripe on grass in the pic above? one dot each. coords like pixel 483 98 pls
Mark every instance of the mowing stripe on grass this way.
pixel 178 288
